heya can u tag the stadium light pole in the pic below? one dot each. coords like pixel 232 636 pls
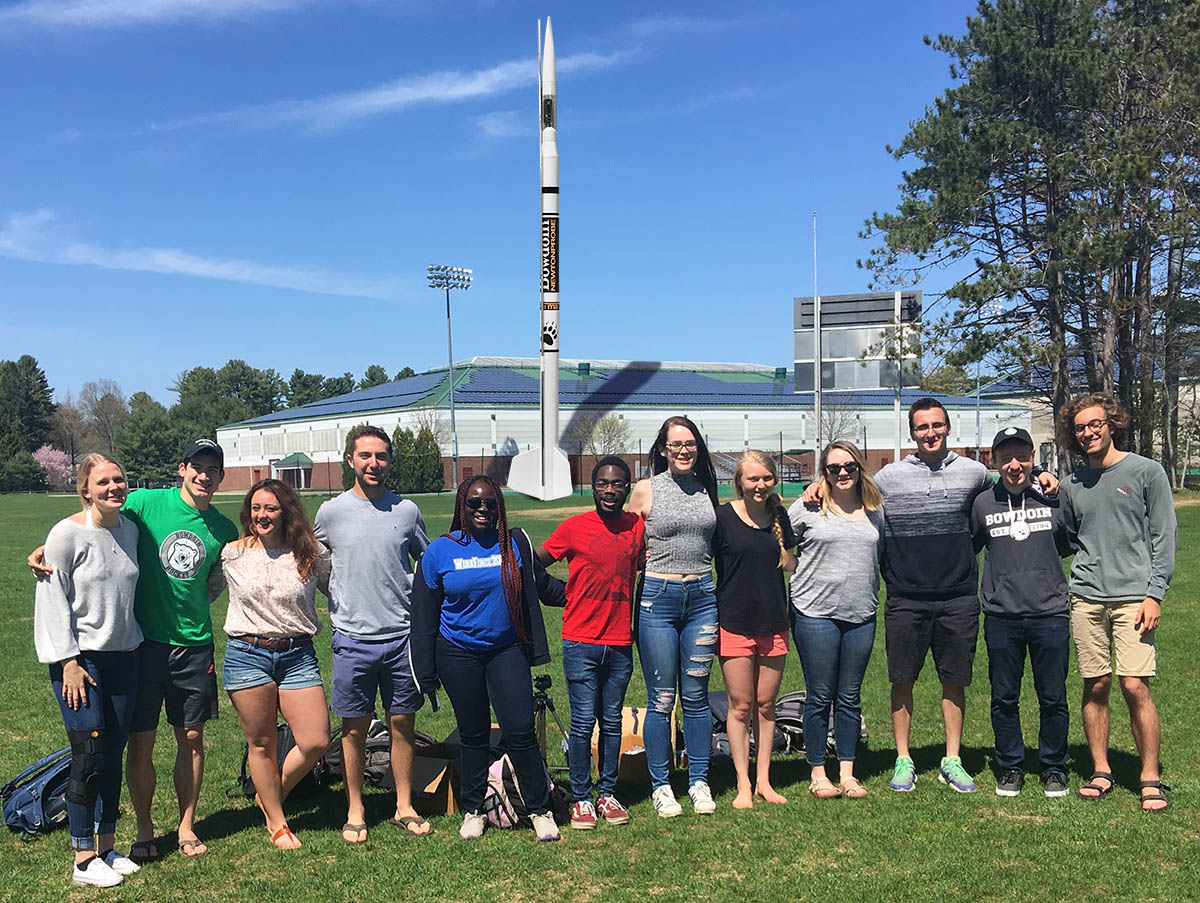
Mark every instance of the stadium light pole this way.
pixel 445 277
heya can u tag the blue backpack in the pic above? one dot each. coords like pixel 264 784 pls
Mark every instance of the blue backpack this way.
pixel 35 801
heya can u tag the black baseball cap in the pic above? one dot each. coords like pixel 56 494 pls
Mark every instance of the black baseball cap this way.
pixel 1012 434
pixel 204 447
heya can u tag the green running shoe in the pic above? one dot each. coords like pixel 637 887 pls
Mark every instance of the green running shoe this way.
pixel 953 773
pixel 904 778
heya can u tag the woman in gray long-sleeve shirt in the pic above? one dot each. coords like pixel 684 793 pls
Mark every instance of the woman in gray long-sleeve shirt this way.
pixel 83 628
pixel 835 592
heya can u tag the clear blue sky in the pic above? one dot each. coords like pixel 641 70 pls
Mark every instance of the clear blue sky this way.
pixel 186 181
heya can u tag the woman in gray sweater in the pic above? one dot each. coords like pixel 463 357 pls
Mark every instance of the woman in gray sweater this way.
pixel 83 628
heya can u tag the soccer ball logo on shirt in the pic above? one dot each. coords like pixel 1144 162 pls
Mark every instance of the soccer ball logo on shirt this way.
pixel 181 554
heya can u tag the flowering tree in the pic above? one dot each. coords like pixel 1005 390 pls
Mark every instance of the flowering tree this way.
pixel 56 462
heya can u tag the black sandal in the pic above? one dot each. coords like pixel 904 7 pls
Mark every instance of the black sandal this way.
pixel 1101 792
pixel 1160 794
pixel 144 851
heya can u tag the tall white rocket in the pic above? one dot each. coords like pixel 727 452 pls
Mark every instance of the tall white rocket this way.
pixel 545 472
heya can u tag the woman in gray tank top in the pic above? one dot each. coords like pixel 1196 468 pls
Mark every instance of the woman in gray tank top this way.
pixel 676 615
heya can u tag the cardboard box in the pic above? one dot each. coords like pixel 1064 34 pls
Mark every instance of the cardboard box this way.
pixel 632 767
pixel 435 780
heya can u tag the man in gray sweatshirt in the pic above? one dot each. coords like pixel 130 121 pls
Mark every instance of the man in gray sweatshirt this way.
pixel 1126 533
pixel 1024 600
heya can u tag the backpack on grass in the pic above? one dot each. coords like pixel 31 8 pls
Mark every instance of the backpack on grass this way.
pixel 35 801
pixel 377 768
pixel 503 804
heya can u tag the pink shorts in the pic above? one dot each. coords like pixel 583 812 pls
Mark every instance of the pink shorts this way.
pixel 735 645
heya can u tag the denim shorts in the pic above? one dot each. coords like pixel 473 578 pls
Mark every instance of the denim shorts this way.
pixel 251 666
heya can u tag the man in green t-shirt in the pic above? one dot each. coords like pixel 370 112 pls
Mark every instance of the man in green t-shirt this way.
pixel 180 536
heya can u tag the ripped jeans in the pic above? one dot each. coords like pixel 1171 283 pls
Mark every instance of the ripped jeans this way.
pixel 677 634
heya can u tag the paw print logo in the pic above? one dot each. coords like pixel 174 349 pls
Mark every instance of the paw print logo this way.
pixel 550 335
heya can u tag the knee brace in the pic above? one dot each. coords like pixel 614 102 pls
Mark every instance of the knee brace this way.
pixel 87 765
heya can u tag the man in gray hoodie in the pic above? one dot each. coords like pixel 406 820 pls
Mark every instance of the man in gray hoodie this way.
pixel 1024 598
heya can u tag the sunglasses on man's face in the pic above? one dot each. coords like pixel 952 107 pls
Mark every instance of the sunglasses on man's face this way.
pixel 476 503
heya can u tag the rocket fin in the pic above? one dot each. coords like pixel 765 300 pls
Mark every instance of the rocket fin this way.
pixel 525 475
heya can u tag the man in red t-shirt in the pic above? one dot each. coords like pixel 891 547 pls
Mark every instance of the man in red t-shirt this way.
pixel 604 550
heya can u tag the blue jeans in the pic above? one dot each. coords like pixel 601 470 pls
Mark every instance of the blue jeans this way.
pixel 1048 641
pixel 597 677
pixel 834 655
pixel 677 634
pixel 109 710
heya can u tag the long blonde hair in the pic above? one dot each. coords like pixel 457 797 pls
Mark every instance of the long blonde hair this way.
pixel 761 458
pixel 86 466
pixel 872 498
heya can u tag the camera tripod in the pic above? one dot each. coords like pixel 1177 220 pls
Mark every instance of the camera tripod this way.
pixel 542 703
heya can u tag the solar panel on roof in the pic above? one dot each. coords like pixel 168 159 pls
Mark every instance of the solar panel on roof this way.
pixel 610 388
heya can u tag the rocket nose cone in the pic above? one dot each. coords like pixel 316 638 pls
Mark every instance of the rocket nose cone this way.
pixel 548 54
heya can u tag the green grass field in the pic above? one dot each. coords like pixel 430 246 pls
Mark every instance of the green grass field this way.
pixel 931 844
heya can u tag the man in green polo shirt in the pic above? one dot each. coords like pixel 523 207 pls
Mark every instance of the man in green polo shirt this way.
pixel 179 540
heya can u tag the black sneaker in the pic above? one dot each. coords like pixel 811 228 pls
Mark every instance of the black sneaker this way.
pixel 1054 783
pixel 1010 783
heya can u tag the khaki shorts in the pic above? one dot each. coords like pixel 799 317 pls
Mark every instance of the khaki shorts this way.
pixel 1097 626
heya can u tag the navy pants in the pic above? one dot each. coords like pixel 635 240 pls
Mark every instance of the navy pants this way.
pixel 476 683
pixel 1047 640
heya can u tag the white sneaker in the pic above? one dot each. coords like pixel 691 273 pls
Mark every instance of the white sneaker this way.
pixel 665 803
pixel 544 826
pixel 96 873
pixel 472 826
pixel 702 798
pixel 120 863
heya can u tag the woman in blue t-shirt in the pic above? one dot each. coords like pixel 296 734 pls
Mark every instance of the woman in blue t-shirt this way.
pixel 476 630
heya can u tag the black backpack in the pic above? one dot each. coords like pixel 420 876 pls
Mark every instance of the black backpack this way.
pixel 789 724
pixel 377 769
pixel 789 719
pixel 284 741
pixel 718 704
pixel 35 801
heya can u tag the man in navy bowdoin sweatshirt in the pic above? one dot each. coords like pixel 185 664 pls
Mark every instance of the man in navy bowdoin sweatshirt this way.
pixel 1024 599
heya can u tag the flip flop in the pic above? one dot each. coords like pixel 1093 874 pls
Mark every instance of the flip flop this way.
pixel 406 823
pixel 354 829
pixel 285 831
pixel 144 851
pixel 1101 792
pixel 187 846
pixel 1160 794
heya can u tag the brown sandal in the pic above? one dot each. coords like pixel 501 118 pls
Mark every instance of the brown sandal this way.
pixel 1160 793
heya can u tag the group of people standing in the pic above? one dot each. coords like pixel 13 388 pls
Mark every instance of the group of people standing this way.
pixel 122 603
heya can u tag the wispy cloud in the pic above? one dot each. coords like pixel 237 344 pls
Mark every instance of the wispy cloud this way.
pixel 112 14
pixel 41 237
pixel 502 124
pixel 336 111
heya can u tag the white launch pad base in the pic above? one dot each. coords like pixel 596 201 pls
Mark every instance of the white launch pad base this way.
pixel 525 475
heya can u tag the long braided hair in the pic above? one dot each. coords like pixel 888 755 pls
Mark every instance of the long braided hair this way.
pixel 510 571
pixel 774 505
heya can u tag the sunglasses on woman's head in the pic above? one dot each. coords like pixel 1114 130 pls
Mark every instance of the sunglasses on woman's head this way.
pixel 476 503
pixel 834 469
